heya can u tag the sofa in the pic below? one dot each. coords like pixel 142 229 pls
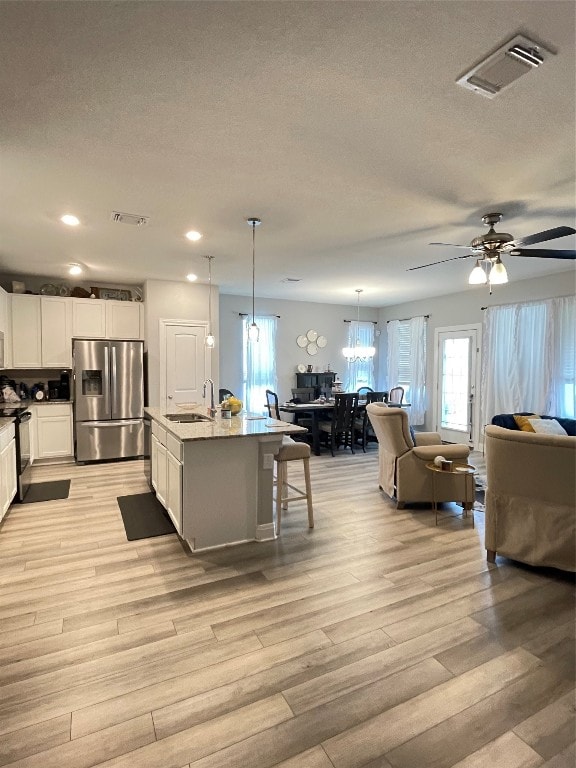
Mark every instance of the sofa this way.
pixel 403 455
pixel 508 421
pixel 531 496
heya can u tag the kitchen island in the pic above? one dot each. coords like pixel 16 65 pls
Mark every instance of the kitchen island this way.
pixel 215 478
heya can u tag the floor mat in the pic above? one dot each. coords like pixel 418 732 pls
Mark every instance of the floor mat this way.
pixel 50 491
pixel 144 517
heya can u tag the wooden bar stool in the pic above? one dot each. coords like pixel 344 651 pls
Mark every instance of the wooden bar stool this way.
pixel 292 451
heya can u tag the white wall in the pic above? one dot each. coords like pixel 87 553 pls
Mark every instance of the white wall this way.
pixel 465 308
pixel 166 300
pixel 296 317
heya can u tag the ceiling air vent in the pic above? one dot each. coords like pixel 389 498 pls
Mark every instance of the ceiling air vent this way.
pixel 495 73
pixel 291 280
pixel 129 218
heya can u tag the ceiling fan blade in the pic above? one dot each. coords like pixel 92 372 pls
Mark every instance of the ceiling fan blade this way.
pixel 541 237
pixel 433 264
pixel 543 253
pixel 450 245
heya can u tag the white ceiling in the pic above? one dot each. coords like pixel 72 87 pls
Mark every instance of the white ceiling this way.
pixel 339 124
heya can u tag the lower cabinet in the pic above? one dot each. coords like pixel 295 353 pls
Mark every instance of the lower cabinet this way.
pixel 8 478
pixel 167 473
pixel 52 431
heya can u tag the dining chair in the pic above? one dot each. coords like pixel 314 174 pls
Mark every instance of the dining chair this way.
pixel 363 391
pixel 396 396
pixel 272 405
pixel 362 426
pixel 222 393
pixel 340 430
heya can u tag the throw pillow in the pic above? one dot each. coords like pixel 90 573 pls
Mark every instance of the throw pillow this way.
pixel 524 422
pixel 548 427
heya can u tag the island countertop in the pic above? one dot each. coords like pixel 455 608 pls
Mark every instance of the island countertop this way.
pixel 242 425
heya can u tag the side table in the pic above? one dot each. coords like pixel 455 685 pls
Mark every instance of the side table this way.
pixel 467 472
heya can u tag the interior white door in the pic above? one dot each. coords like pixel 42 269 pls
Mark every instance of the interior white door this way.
pixel 457 370
pixel 186 366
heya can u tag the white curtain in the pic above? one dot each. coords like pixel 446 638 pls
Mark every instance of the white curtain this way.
pixel 360 373
pixel 528 358
pixel 259 363
pixel 406 363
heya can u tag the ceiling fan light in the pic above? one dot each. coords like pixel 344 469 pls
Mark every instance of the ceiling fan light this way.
pixel 498 274
pixel 477 276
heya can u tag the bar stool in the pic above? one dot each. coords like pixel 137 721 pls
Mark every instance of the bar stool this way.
pixel 292 451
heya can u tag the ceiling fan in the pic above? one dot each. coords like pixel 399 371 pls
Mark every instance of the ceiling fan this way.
pixel 487 250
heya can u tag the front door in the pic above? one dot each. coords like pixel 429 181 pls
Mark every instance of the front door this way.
pixel 187 365
pixel 457 371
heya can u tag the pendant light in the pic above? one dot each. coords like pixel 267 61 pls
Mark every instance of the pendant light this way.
pixel 358 352
pixel 210 339
pixel 253 330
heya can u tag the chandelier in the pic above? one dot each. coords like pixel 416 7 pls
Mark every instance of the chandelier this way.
pixel 358 353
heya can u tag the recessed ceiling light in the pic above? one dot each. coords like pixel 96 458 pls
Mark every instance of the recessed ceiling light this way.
pixel 192 277
pixel 193 235
pixel 74 269
pixel 71 221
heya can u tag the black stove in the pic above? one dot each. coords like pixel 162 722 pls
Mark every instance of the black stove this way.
pixel 12 409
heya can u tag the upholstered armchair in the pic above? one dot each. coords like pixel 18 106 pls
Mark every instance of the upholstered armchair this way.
pixel 531 497
pixel 403 458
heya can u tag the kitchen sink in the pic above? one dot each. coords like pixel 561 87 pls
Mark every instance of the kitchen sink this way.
pixel 187 418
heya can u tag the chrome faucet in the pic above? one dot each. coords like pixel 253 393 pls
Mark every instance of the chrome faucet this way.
pixel 212 409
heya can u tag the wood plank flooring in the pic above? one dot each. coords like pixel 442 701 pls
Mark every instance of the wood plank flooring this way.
pixel 375 640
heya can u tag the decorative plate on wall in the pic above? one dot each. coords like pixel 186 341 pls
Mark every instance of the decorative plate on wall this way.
pixel 321 341
pixel 312 335
pixel 312 349
pixel 302 341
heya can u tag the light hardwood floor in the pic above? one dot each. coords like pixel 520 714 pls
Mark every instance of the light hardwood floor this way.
pixel 376 639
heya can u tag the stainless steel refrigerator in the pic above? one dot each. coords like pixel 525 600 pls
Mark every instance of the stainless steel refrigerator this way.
pixel 108 399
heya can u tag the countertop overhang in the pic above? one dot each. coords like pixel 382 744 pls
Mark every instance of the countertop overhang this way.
pixel 242 425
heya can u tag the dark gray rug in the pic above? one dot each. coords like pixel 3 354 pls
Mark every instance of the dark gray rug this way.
pixel 50 491
pixel 144 517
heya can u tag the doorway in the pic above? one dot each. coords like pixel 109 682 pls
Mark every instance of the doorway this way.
pixel 184 363
pixel 457 384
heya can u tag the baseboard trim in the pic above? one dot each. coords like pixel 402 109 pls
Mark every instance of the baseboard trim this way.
pixel 266 532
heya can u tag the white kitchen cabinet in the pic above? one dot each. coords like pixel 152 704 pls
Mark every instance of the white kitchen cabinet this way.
pixel 8 478
pixel 53 431
pixel 166 465
pixel 5 327
pixel 89 318
pixel 174 490
pixel 26 331
pixel 159 470
pixel 56 325
pixel 41 332
pixel 123 320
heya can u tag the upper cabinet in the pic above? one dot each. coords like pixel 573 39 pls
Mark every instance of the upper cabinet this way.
pixel 99 319
pixel 41 332
pixel 42 327
pixel 56 324
pixel 5 328
pixel 26 331
pixel 124 320
pixel 89 318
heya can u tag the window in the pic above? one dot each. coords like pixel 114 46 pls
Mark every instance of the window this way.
pixel 407 363
pixel 259 363
pixel 360 373
pixel 529 358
